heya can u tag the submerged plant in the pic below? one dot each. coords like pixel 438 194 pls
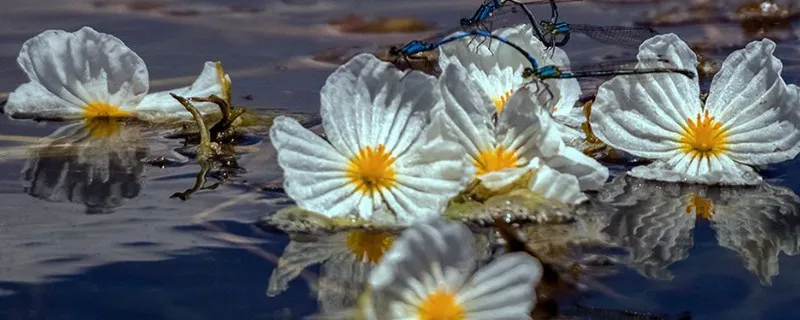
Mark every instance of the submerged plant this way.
pixel 87 74
pixel 750 117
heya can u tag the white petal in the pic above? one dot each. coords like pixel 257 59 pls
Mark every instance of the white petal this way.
pixel 496 180
pixel 465 107
pixel 504 289
pixel 486 54
pixel 643 114
pixel 428 175
pixel 32 100
pixel 591 174
pixel 314 172
pixel 367 102
pixel 160 105
pixel 682 168
pixel 751 100
pixel 496 83
pixel 527 128
pixel 424 255
pixel 79 68
pixel 570 126
pixel 566 91
pixel 556 186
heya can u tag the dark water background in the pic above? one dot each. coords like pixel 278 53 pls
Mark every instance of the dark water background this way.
pixel 74 246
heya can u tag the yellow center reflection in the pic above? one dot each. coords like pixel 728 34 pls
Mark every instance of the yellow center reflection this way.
pixel 101 109
pixel 495 160
pixel 702 207
pixel 500 101
pixel 368 246
pixel 102 127
pixel 371 170
pixel 440 305
pixel 703 137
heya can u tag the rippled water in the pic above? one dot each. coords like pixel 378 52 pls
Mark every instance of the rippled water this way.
pixel 88 229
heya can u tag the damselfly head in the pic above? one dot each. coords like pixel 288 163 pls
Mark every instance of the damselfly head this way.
pixel 528 73
pixel 466 22
pixel 394 51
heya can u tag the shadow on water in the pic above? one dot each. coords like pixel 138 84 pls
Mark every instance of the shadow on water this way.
pixel 230 282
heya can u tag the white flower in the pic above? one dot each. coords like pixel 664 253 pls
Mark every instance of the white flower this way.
pixel 87 74
pixel 381 151
pixel 750 117
pixel 502 152
pixel 497 69
pixel 429 274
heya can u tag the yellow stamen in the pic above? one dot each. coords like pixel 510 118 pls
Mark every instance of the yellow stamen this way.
pixel 702 207
pixel 440 305
pixel 704 137
pixel 371 170
pixel 98 109
pixel 369 246
pixel 500 101
pixel 495 160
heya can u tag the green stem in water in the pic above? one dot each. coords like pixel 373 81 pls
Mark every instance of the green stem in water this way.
pixel 204 149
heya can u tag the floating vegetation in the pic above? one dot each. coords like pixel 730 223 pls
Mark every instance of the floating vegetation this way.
pixel 357 24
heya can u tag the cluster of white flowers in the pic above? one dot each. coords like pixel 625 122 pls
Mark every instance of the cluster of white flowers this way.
pixel 399 145
pixel 402 144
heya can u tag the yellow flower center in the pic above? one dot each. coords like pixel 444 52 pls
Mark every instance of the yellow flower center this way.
pixel 99 109
pixel 495 160
pixel 702 207
pixel 102 127
pixel 371 170
pixel 369 246
pixel 440 305
pixel 500 101
pixel 703 137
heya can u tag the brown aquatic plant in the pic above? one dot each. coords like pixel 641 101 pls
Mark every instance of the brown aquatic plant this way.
pixel 216 151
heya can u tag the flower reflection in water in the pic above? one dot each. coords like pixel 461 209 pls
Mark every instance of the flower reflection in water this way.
pixel 97 163
pixel 655 222
pixel 346 260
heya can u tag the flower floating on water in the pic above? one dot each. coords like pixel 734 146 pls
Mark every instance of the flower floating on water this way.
pixel 750 117
pixel 429 273
pixel 497 69
pixel 382 154
pixel 524 137
pixel 87 74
